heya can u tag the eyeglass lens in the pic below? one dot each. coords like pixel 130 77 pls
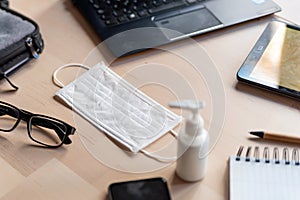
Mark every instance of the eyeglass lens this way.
pixel 47 131
pixel 8 117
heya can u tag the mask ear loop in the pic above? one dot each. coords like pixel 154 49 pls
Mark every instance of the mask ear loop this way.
pixel 160 158
pixel 56 81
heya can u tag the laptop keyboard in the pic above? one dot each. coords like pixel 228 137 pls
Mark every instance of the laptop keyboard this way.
pixel 114 12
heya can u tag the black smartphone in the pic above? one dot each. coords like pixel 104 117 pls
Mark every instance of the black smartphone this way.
pixel 144 189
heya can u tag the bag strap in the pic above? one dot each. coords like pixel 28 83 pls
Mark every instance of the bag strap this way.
pixel 4 3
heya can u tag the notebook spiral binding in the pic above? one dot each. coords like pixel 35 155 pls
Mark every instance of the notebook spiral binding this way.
pixel 266 155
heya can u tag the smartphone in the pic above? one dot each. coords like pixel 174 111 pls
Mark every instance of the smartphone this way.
pixel 144 189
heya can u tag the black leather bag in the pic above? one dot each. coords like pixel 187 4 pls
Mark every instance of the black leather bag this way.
pixel 20 41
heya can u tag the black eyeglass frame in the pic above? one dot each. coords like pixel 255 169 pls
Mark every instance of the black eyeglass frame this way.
pixel 28 116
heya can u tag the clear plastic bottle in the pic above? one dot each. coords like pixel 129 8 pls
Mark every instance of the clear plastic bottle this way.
pixel 193 143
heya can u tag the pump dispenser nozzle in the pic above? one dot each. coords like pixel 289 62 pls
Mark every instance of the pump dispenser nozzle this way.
pixel 191 105
pixel 194 124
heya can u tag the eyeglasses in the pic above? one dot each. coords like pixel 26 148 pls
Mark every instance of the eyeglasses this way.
pixel 44 130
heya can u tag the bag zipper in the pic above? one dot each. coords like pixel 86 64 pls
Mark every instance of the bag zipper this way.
pixel 29 44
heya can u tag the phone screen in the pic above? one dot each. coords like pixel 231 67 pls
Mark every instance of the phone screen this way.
pixel 145 189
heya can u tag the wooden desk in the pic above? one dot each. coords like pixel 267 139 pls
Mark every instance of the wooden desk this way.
pixel 73 172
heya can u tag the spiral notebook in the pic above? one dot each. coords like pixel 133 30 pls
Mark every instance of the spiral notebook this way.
pixel 272 175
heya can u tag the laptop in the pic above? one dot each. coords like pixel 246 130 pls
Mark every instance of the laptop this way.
pixel 129 26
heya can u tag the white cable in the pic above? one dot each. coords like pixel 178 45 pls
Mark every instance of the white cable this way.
pixel 54 75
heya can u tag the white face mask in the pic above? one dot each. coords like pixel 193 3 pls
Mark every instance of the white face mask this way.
pixel 119 109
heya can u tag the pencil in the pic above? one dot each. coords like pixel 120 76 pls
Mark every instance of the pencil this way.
pixel 277 136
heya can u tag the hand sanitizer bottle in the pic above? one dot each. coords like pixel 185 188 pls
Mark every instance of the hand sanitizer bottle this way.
pixel 193 143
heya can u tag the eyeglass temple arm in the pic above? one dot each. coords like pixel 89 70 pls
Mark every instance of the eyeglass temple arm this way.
pixel 7 111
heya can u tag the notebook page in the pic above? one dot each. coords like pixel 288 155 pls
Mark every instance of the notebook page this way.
pixel 260 181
